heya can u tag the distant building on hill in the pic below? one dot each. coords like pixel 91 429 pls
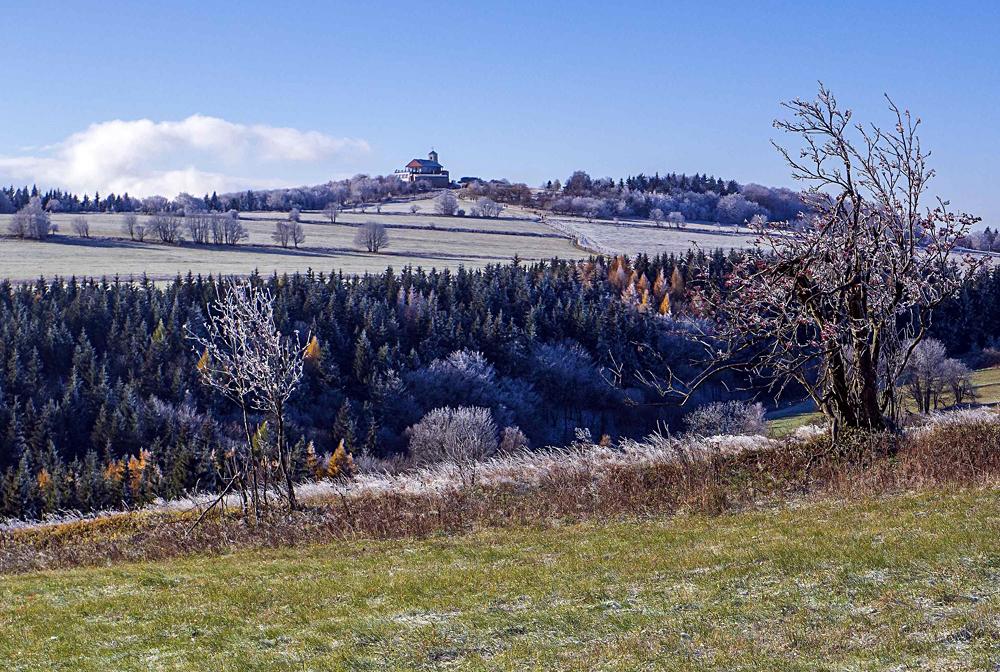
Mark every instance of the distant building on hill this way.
pixel 427 170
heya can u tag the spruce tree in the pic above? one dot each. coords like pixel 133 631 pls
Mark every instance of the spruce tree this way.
pixel 344 427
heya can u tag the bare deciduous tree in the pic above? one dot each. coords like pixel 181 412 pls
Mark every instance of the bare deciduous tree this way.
pixel 286 233
pixel 229 230
pixel 81 227
pixel 839 305
pixel 929 373
pixel 199 226
pixel 486 207
pixel 246 359
pixel 446 203
pixel 372 236
pixel 129 223
pixel 331 211
pixel 959 379
pixel 166 227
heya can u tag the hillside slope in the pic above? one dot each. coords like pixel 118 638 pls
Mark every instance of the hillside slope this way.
pixel 908 582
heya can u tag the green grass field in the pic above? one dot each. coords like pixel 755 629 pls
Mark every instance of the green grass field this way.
pixel 986 383
pixel 908 582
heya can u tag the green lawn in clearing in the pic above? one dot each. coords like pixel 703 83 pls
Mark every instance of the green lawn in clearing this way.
pixel 910 582
pixel 986 383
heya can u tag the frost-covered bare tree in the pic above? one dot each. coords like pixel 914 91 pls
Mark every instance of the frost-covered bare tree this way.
pixel 446 203
pixel 657 216
pixel 227 229
pixel 923 375
pixel 487 207
pixel 129 223
pixel 288 233
pixel 298 234
pixel 81 227
pixel 199 226
pixel 460 435
pixel 930 373
pixel 166 227
pixel 372 236
pixel 331 211
pixel 32 221
pixel 246 359
pixel 282 233
pixel 958 377
pixel 839 305
pixel 727 418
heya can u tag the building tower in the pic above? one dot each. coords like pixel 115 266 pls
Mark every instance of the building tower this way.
pixel 433 156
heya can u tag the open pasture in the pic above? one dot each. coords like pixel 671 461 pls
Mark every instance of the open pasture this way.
pixel 634 236
pixel 418 239
pixel 898 583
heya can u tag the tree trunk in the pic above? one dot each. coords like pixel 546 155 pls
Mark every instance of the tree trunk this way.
pixel 285 458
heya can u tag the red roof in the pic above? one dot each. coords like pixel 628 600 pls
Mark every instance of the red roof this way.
pixel 423 163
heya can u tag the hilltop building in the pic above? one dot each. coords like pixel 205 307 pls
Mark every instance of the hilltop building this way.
pixel 427 170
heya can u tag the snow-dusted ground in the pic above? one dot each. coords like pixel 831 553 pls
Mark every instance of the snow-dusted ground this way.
pixel 633 236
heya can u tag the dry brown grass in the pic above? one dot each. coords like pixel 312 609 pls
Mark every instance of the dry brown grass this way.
pixel 716 481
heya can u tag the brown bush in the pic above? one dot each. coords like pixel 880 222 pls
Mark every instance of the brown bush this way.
pixel 711 482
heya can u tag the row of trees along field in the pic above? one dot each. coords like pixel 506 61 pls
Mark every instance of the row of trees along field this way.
pixel 100 401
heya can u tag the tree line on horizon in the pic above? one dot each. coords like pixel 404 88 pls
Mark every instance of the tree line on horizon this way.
pixel 696 197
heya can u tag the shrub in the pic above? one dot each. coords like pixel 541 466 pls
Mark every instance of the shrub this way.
pixel 459 435
pixel 513 440
pixel 726 417
pixel 486 207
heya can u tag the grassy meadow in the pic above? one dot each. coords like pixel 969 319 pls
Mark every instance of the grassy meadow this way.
pixel 985 382
pixel 903 582
pixel 632 237
pixel 420 239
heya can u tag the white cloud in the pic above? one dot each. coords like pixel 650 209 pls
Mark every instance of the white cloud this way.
pixel 199 154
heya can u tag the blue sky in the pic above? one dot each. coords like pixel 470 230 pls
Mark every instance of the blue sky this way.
pixel 528 91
